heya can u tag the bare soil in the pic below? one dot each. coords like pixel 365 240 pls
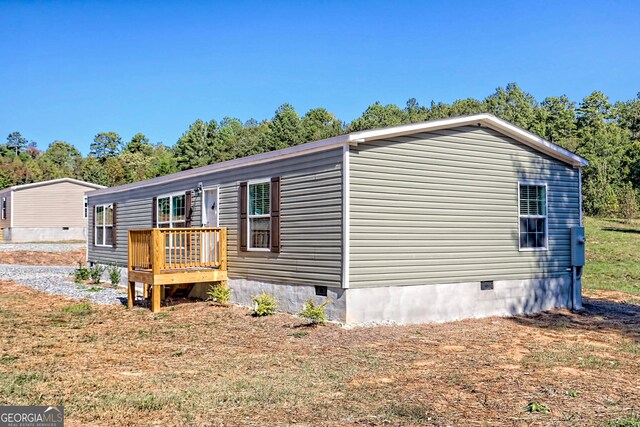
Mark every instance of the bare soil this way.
pixel 196 364
pixel 43 258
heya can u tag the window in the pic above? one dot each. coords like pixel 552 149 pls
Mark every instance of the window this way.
pixel 86 207
pixel 259 223
pixel 104 225
pixel 172 211
pixel 533 216
pixel 4 208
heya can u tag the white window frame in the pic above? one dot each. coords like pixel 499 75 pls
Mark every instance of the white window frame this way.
pixel 85 200
pixel 4 209
pixel 546 216
pixel 249 216
pixel 171 220
pixel 104 225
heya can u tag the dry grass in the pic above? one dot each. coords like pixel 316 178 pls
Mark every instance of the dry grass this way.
pixel 195 364
pixel 43 258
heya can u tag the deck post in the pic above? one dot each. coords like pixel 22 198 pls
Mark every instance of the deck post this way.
pixel 157 263
pixel 223 253
pixel 131 294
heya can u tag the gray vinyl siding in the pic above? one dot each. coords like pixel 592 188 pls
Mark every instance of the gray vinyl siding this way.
pixel 442 207
pixel 311 219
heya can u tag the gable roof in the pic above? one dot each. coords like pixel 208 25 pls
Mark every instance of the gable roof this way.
pixel 487 120
pixel 56 181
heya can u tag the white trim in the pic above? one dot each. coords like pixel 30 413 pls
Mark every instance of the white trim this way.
pixel 56 181
pixel 546 216
pixel 104 226
pixel 3 208
pixel 249 184
pixel 580 193
pixel 346 199
pixel 203 207
pixel 354 138
pixel 171 196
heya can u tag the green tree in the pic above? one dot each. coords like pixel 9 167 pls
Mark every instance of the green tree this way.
pixel 163 162
pixel 379 116
pixel 16 143
pixel 628 116
pixel 91 169
pixel 466 107
pixel 139 144
pixel 195 147
pixel 285 129
pixel 559 116
pixel 105 145
pixel 593 112
pixel 514 105
pixel 115 172
pixel 319 124
pixel 63 155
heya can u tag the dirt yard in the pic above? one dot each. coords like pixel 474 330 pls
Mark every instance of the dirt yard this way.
pixel 196 364
pixel 43 258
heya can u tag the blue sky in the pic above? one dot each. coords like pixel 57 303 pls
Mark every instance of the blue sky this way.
pixel 73 69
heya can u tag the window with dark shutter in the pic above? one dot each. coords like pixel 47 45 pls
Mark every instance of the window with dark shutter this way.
pixel 259 209
pixel 242 209
pixel 154 214
pixel 114 227
pixel 188 209
pixel 275 214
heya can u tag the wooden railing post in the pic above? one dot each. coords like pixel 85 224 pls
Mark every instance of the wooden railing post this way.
pixel 157 251
pixel 223 249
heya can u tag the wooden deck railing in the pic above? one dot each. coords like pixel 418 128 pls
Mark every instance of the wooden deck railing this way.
pixel 161 250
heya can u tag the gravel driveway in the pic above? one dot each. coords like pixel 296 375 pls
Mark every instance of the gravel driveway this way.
pixel 55 280
pixel 41 247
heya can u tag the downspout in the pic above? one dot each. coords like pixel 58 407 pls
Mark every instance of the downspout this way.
pixel 345 215
pixel 576 271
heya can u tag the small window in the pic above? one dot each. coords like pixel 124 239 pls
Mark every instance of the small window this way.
pixel 86 207
pixel 104 225
pixel 172 211
pixel 259 215
pixel 533 216
pixel 4 208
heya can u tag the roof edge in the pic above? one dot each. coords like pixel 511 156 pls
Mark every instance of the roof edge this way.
pixel 486 119
pixel 55 181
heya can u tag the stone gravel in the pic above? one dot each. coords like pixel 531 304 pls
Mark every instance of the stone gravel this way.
pixel 56 280
pixel 41 247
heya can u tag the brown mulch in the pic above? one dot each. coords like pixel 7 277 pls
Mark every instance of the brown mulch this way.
pixel 43 258
pixel 196 364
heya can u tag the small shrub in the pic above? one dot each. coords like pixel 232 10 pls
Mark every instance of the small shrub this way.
pixel 537 407
pixel 219 294
pixel 573 393
pixel 264 304
pixel 80 309
pixel 95 273
pixel 632 420
pixel 314 313
pixel 81 273
pixel 114 274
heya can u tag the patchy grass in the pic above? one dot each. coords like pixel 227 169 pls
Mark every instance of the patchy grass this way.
pixel 613 257
pixel 202 365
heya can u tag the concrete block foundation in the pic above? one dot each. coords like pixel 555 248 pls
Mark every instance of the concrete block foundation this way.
pixel 45 234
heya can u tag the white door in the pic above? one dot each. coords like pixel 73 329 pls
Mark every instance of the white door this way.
pixel 210 208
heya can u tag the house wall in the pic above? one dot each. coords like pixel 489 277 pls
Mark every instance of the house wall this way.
pixel 442 208
pixel 311 219
pixel 51 212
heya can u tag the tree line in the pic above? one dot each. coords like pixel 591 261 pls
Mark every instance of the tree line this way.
pixel 605 133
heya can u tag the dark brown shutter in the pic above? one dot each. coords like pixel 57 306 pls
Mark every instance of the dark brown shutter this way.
pixel 154 215
pixel 114 230
pixel 275 214
pixel 242 208
pixel 93 224
pixel 188 209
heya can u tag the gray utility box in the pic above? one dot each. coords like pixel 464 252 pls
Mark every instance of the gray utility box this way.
pixel 577 246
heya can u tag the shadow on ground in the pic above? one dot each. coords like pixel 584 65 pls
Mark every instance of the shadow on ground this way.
pixel 599 315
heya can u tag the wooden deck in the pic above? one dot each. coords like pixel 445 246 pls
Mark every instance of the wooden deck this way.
pixel 160 257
